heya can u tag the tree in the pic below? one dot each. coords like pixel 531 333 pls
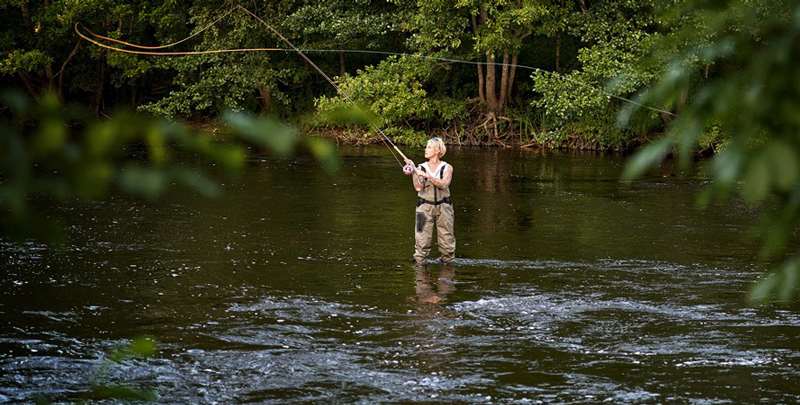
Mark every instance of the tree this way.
pixel 496 29
pixel 357 25
pixel 46 56
pixel 734 65
pixel 392 91
pixel 207 84
pixel 39 47
pixel 275 83
pixel 615 35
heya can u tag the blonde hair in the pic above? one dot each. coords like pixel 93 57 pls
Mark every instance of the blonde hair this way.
pixel 438 145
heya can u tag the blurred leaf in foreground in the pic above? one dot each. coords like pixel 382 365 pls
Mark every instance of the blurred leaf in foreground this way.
pixel 101 389
pixel 737 60
pixel 54 154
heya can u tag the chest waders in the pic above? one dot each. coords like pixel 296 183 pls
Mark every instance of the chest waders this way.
pixel 434 211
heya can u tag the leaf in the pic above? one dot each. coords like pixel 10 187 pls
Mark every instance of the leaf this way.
pixel 783 159
pixel 781 284
pixel 91 179
pixel 51 138
pixel 325 151
pixel 155 144
pixel 756 179
pixel 195 181
pixel 280 139
pixel 762 291
pixel 143 181
pixel 647 158
pixel 120 392
pixel 18 101
pixel 140 347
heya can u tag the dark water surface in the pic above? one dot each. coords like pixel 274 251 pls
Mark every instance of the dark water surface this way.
pixel 296 286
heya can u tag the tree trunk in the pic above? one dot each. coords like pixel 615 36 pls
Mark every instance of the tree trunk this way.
pixel 682 100
pixel 98 95
pixel 26 80
pixel 583 5
pixel 491 83
pixel 558 53
pixel 481 82
pixel 26 12
pixel 60 73
pixel 266 98
pixel 48 70
pixel 503 83
pixel 481 92
pixel 512 73
pixel 342 70
pixel 491 80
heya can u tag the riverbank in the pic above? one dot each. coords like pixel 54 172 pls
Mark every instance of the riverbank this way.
pixel 561 139
pixel 515 135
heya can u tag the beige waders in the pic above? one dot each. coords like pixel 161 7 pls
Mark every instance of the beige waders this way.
pixel 434 211
pixel 440 217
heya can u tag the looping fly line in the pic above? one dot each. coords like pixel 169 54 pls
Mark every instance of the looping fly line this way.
pixel 148 50
pixel 152 51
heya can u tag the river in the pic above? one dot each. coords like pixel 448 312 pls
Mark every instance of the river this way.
pixel 296 286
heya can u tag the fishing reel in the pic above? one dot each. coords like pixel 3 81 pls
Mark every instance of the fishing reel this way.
pixel 408 169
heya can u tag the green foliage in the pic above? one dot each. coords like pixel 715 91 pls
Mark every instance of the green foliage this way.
pixel 510 23
pixel 210 84
pixel 392 90
pixel 435 25
pixel 28 61
pixel 360 24
pixel 407 136
pixel 392 96
pixel 489 32
pixel 751 96
pixel 447 110
pixel 206 86
pixel 44 52
pixel 617 34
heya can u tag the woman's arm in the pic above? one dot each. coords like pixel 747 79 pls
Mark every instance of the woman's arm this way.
pixel 418 181
pixel 444 182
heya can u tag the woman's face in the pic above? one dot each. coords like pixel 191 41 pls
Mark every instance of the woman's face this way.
pixel 430 151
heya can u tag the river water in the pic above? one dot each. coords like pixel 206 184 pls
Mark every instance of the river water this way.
pixel 296 286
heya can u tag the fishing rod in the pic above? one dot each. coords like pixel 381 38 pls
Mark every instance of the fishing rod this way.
pixel 407 169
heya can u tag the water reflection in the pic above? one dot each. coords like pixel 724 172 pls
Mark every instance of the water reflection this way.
pixel 431 292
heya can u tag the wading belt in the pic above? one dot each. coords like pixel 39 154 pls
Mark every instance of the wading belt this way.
pixel 445 200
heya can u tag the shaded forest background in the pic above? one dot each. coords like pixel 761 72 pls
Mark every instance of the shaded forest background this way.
pixel 542 73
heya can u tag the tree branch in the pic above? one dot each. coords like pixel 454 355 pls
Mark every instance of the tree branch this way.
pixel 26 80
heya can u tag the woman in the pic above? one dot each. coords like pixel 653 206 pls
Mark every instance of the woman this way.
pixel 434 209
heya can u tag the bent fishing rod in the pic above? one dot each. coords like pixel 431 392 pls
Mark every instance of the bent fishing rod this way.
pixel 407 169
